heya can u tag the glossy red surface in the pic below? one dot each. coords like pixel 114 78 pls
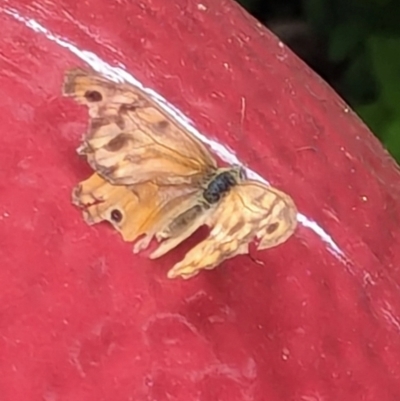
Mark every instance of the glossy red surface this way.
pixel 82 318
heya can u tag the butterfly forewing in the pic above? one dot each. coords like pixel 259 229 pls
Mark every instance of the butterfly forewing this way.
pixel 131 139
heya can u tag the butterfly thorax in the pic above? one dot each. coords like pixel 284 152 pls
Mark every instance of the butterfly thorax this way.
pixel 221 183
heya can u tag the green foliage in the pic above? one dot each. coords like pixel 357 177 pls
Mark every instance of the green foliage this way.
pixel 366 34
pixel 385 56
pixel 363 37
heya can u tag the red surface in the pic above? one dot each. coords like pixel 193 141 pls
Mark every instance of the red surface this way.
pixel 82 318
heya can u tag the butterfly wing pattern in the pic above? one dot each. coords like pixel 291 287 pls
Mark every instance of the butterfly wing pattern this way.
pixel 150 180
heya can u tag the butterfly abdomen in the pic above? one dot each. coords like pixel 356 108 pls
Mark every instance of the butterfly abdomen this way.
pixel 218 186
pixel 181 222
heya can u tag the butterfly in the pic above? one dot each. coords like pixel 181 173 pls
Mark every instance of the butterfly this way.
pixel 154 180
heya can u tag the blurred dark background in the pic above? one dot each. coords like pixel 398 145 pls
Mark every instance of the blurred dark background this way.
pixel 354 45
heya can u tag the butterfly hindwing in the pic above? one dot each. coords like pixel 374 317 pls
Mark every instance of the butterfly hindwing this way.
pixel 250 211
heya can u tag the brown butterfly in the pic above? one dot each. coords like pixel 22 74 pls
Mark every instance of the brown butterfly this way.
pixel 155 180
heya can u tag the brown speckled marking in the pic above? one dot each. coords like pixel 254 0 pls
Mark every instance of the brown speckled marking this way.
pixel 236 227
pixel 117 143
pixel 127 107
pixel 104 171
pixel 119 120
pixel 162 125
pixel 98 123
pixel 272 227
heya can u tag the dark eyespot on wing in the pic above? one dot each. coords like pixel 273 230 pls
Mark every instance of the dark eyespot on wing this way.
pixel 93 96
pixel 118 142
pixel 116 216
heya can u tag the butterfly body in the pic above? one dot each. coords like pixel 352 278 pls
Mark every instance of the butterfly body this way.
pixel 221 183
pixel 216 187
pixel 154 180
